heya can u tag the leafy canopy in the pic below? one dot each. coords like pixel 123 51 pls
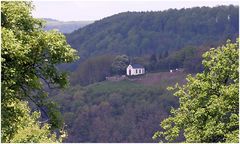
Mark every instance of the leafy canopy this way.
pixel 146 33
pixel 209 102
pixel 120 64
pixel 29 58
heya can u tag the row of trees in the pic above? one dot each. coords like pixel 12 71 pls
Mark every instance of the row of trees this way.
pixel 96 69
pixel 189 58
pixel 92 70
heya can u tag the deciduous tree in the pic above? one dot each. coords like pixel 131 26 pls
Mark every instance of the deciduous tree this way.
pixel 209 102
pixel 120 64
pixel 29 58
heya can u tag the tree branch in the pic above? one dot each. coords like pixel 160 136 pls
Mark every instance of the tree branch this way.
pixel 36 103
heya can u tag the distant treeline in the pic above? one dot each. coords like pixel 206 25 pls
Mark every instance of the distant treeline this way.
pixel 64 27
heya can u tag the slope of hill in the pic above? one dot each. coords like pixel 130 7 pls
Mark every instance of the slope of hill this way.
pixel 122 111
pixel 141 33
pixel 163 79
pixel 127 111
pixel 65 27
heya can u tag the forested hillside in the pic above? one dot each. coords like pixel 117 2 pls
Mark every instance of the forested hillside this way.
pixel 114 111
pixel 160 41
pixel 103 104
pixel 142 33
pixel 125 111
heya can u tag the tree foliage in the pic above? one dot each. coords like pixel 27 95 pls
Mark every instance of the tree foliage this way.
pixel 107 111
pixel 189 58
pixel 29 58
pixel 120 64
pixel 28 129
pixel 209 102
pixel 92 70
pixel 141 33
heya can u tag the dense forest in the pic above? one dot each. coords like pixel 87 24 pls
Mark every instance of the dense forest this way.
pixel 114 111
pixel 141 33
pixel 127 111
pixel 160 41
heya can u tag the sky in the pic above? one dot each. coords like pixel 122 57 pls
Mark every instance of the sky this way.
pixel 79 10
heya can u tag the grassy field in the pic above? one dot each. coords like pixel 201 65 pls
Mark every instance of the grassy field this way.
pixel 163 79
pixel 159 79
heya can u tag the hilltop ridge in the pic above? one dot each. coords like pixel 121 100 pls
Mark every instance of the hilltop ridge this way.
pixel 65 26
pixel 142 33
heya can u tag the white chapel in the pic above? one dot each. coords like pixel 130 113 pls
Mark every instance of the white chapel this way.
pixel 135 69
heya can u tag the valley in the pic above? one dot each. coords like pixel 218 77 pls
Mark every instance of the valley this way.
pixel 129 109
pixel 137 74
